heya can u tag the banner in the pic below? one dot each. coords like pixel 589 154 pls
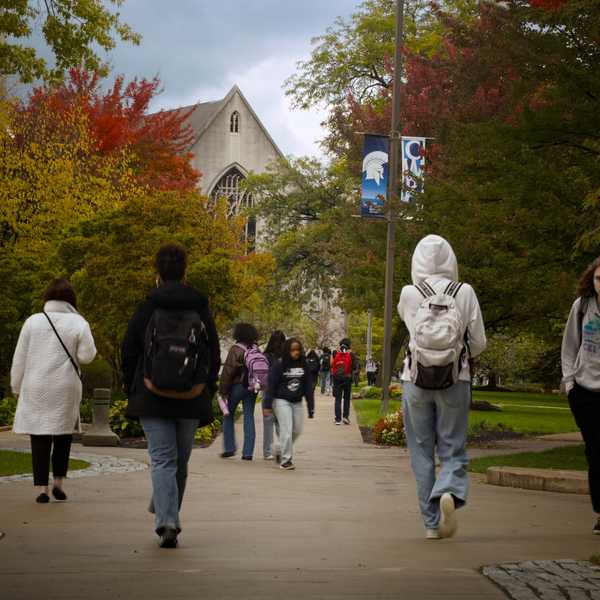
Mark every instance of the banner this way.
pixel 374 176
pixel 413 160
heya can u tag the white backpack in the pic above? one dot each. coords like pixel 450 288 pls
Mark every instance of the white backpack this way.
pixel 440 339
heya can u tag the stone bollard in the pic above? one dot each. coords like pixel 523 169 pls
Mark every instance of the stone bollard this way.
pixel 100 433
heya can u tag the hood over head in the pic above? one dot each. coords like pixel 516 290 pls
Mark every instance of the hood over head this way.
pixel 178 296
pixel 434 257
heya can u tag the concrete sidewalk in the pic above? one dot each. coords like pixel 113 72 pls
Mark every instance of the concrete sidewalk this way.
pixel 345 524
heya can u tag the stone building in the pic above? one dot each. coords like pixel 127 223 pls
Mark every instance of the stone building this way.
pixel 230 142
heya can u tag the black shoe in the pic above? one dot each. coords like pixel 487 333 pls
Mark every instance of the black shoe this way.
pixel 58 493
pixel 596 530
pixel 246 458
pixel 168 538
pixel 43 498
pixel 287 466
pixel 278 458
pixel 227 454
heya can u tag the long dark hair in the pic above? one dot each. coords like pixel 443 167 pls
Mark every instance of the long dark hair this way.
pixel 585 287
pixel 276 344
pixel 286 358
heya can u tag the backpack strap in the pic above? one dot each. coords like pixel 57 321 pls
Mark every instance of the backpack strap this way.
pixel 425 289
pixel 583 306
pixel 453 288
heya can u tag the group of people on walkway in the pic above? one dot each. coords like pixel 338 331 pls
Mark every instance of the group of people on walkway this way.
pixel 171 365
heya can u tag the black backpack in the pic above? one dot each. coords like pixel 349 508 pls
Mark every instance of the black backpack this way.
pixel 176 357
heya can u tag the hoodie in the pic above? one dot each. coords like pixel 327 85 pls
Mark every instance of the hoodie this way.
pixel 434 261
pixel 143 403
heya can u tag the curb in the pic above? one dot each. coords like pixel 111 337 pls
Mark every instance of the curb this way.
pixel 546 480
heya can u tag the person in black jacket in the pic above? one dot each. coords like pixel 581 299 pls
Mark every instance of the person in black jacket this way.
pixel 169 418
pixel 273 352
pixel 289 382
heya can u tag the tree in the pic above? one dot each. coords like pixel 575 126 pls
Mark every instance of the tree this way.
pixel 73 30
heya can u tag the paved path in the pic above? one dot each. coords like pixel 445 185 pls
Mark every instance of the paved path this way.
pixel 343 525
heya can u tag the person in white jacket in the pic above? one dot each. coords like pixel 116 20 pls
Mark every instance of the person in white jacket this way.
pixel 580 358
pixel 45 377
pixel 437 419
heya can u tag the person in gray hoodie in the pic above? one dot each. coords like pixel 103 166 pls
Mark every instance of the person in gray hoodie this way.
pixel 580 358
pixel 436 399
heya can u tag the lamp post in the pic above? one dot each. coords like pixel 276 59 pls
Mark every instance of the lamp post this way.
pixel 392 197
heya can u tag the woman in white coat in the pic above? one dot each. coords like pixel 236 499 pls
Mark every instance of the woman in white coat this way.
pixel 45 377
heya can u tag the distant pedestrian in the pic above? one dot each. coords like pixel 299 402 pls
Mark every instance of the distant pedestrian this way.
pixel 313 362
pixel 325 372
pixel 46 379
pixel 356 368
pixel 446 329
pixel 342 369
pixel 234 386
pixel 581 373
pixel 171 359
pixel 273 352
pixel 371 370
pixel 289 382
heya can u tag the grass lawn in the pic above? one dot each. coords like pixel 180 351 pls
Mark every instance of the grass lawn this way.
pixel 571 458
pixel 16 463
pixel 522 412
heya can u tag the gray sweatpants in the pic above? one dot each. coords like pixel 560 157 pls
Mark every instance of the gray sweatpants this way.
pixel 290 416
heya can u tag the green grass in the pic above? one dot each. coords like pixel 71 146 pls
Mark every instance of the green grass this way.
pixel 569 458
pixel 523 412
pixel 16 463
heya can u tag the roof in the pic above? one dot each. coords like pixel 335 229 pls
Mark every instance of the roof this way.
pixel 204 113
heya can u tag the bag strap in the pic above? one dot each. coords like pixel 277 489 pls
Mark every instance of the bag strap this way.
pixel 453 288
pixel 75 366
pixel 425 289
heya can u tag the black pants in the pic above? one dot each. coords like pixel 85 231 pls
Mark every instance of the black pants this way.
pixel 585 406
pixel 371 378
pixel 41 446
pixel 342 389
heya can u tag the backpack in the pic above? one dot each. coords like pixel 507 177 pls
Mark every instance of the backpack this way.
pixel 326 362
pixel 176 357
pixel 257 368
pixel 440 339
pixel 342 366
pixel 312 362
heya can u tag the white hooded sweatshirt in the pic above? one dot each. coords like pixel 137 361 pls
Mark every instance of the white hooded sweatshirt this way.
pixel 434 261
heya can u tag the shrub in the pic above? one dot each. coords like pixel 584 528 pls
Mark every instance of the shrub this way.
pixel 97 374
pixel 8 407
pixel 389 430
pixel 120 424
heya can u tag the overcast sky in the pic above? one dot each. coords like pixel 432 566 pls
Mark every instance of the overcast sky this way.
pixel 200 48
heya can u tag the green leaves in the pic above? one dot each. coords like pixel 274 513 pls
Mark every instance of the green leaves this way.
pixel 71 28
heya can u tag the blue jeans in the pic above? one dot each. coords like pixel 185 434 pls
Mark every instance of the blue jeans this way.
pixel 437 420
pixel 170 442
pixel 238 394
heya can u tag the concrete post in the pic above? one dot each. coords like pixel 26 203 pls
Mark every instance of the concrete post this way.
pixel 100 433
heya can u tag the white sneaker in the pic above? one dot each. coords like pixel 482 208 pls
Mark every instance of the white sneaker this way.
pixel 338 422
pixel 269 457
pixel 432 534
pixel 448 522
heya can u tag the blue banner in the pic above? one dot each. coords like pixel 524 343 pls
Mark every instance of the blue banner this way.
pixel 413 161
pixel 374 176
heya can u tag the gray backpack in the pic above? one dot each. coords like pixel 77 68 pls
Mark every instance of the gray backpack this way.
pixel 440 339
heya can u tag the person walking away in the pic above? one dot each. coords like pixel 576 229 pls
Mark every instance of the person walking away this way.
pixel 446 330
pixel 290 381
pixel 580 358
pixel 341 372
pixel 371 370
pixel 313 362
pixel 325 373
pixel 171 360
pixel 273 352
pixel 234 386
pixel 356 367
pixel 46 379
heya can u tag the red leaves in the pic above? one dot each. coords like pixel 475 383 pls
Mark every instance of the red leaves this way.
pixel 551 5
pixel 117 121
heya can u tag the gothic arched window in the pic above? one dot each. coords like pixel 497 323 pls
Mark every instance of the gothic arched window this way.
pixel 234 122
pixel 230 187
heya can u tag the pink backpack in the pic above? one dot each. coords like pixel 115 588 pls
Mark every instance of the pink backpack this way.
pixel 257 367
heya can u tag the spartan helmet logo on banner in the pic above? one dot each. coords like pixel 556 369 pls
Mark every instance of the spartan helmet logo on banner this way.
pixel 373 165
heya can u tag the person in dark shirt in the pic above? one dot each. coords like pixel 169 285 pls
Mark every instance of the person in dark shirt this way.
pixel 289 382
pixel 273 352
